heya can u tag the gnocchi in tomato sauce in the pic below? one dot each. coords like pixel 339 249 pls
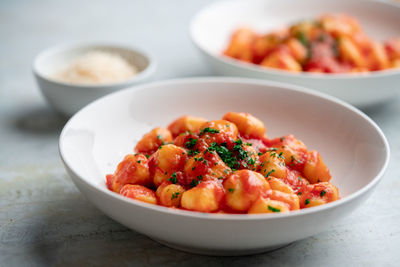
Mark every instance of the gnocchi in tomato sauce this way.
pixel 223 166
pixel 332 43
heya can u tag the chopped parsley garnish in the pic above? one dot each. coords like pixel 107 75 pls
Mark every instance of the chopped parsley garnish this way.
pixel 323 192
pixel 249 144
pixel 193 168
pixel 259 153
pixel 239 142
pixel 175 195
pixel 251 161
pixel 200 177
pixel 139 161
pixel 191 143
pixel 307 201
pixel 208 130
pixel 303 39
pixel 159 136
pixel 225 154
pixel 173 178
pixel 242 154
pixel 269 173
pixel 299 193
pixel 281 156
pixel 193 152
pixel 273 209
pixel 194 183
pixel 231 190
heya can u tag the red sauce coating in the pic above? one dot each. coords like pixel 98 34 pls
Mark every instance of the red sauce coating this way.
pixel 217 170
pixel 331 43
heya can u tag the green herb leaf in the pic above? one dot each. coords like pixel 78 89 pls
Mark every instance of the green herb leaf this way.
pixel 269 173
pixel 239 142
pixel 303 39
pixel 175 195
pixel 208 130
pixel 173 178
pixel 194 183
pixel 191 143
pixel 273 209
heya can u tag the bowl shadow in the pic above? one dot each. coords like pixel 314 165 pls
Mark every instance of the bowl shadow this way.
pixel 40 121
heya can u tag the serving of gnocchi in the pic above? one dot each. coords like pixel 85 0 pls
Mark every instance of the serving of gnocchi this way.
pixel 223 166
pixel 333 43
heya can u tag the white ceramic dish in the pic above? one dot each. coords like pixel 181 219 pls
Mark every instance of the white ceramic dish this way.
pixel 68 98
pixel 97 138
pixel 212 27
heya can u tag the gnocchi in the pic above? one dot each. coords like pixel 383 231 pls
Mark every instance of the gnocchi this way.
pixel 223 166
pixel 332 43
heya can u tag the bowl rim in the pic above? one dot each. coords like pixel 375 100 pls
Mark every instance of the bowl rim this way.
pixel 64 47
pixel 240 217
pixel 283 73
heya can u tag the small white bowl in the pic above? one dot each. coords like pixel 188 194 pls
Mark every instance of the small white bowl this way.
pixel 213 26
pixel 68 98
pixel 97 138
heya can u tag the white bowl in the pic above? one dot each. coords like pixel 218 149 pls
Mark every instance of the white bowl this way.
pixel 68 98
pixel 213 26
pixel 97 138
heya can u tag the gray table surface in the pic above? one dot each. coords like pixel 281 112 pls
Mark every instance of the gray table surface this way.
pixel 44 220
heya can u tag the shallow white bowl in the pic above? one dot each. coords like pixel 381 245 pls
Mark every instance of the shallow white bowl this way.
pixel 97 138
pixel 213 26
pixel 68 98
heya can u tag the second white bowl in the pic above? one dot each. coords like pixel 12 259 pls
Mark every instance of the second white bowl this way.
pixel 213 26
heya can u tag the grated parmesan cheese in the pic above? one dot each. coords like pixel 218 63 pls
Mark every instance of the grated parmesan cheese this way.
pixel 96 67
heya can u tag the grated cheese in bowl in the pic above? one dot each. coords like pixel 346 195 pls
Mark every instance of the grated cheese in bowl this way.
pixel 96 67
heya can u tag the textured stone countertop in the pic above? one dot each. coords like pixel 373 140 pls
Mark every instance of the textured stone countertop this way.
pixel 44 220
